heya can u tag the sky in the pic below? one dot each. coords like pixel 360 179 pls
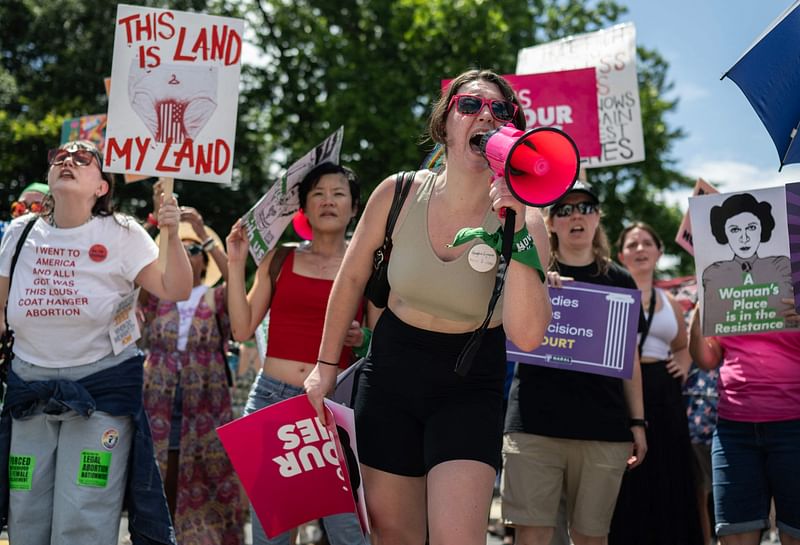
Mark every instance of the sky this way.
pixel 726 143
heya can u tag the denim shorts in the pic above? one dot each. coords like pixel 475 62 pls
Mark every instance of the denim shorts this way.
pixel 753 463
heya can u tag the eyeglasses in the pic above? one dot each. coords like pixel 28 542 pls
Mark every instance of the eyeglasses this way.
pixel 502 110
pixel 566 210
pixel 80 157
pixel 19 208
pixel 194 249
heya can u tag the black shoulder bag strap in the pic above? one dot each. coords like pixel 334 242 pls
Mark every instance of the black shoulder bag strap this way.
pixel 17 250
pixel 650 311
pixel 8 335
pixel 401 189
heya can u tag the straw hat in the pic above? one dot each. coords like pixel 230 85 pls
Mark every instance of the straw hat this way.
pixel 186 232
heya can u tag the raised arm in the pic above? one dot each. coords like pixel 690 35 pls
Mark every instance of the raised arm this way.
pixel 526 303
pixel 246 310
pixel 174 283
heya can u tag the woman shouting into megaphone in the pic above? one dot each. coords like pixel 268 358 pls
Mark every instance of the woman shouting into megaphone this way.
pixel 429 439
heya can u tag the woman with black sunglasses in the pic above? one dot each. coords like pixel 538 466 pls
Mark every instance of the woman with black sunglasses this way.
pixel 429 439
pixel 566 430
pixel 187 394
pixel 73 434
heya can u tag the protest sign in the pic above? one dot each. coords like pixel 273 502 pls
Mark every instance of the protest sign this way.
pixel 174 94
pixel 565 100
pixel 684 236
pixel 346 427
pixel 266 221
pixel 87 127
pixel 744 269
pixel 291 465
pixel 612 52
pixel 793 214
pixel 593 330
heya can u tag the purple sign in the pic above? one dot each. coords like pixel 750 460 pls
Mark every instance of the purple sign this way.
pixel 593 330
pixel 793 218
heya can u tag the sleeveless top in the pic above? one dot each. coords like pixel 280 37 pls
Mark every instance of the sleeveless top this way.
pixel 663 329
pixel 296 317
pixel 447 289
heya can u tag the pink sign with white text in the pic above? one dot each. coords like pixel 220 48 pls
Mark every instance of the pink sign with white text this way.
pixel 566 100
pixel 291 465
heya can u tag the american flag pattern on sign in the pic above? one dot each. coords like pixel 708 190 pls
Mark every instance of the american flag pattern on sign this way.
pixel 170 121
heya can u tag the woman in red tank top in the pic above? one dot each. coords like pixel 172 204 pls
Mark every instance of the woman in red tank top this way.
pixel 297 300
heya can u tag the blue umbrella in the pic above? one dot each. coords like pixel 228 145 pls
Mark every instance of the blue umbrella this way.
pixel 768 74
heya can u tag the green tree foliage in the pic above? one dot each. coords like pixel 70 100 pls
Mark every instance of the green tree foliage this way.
pixel 374 66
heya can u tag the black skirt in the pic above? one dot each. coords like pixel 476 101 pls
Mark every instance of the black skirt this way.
pixel 657 503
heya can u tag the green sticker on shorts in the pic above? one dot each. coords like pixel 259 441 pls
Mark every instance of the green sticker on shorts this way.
pixel 20 471
pixel 94 467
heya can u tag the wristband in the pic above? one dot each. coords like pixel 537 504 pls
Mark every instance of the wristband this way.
pixel 208 244
pixel 362 349
pixel 151 219
pixel 640 422
pixel 524 250
pixel 328 363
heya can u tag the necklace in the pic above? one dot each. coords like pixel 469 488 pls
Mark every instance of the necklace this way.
pixel 51 219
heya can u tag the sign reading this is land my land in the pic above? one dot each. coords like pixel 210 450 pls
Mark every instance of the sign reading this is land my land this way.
pixel 174 94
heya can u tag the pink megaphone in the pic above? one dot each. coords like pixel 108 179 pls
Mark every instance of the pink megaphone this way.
pixel 540 165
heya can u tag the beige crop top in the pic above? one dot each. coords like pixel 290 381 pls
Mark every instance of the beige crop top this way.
pixel 447 289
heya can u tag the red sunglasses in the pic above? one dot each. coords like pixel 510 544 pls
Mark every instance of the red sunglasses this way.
pixel 502 110
pixel 80 157
pixel 18 208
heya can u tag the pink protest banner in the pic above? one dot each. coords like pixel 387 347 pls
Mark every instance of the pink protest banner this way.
pixel 290 464
pixel 566 100
pixel 684 236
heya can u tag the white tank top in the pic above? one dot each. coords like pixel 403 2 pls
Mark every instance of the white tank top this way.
pixel 663 329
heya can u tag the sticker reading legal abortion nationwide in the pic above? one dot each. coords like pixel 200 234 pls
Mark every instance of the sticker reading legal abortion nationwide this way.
pixel 593 330
pixel 174 94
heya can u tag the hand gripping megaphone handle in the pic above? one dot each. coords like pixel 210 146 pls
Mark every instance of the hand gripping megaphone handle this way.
pixel 540 165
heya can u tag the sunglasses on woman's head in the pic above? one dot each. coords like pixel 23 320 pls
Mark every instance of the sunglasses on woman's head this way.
pixel 80 157
pixel 502 110
pixel 19 208
pixel 566 210
pixel 194 249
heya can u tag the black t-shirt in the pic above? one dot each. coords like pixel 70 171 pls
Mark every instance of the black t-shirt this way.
pixel 571 404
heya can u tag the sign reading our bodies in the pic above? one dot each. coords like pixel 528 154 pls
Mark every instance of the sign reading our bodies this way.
pixel 271 215
pixel 612 53
pixel 293 467
pixel 744 270
pixel 593 330
pixel 564 100
pixel 174 94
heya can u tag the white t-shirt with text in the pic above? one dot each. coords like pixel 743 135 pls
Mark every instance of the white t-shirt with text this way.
pixel 66 284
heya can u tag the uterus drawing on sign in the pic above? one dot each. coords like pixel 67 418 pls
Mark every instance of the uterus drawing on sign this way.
pixel 174 101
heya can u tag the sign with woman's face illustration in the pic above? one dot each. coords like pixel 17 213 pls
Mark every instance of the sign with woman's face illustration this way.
pixel 743 270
